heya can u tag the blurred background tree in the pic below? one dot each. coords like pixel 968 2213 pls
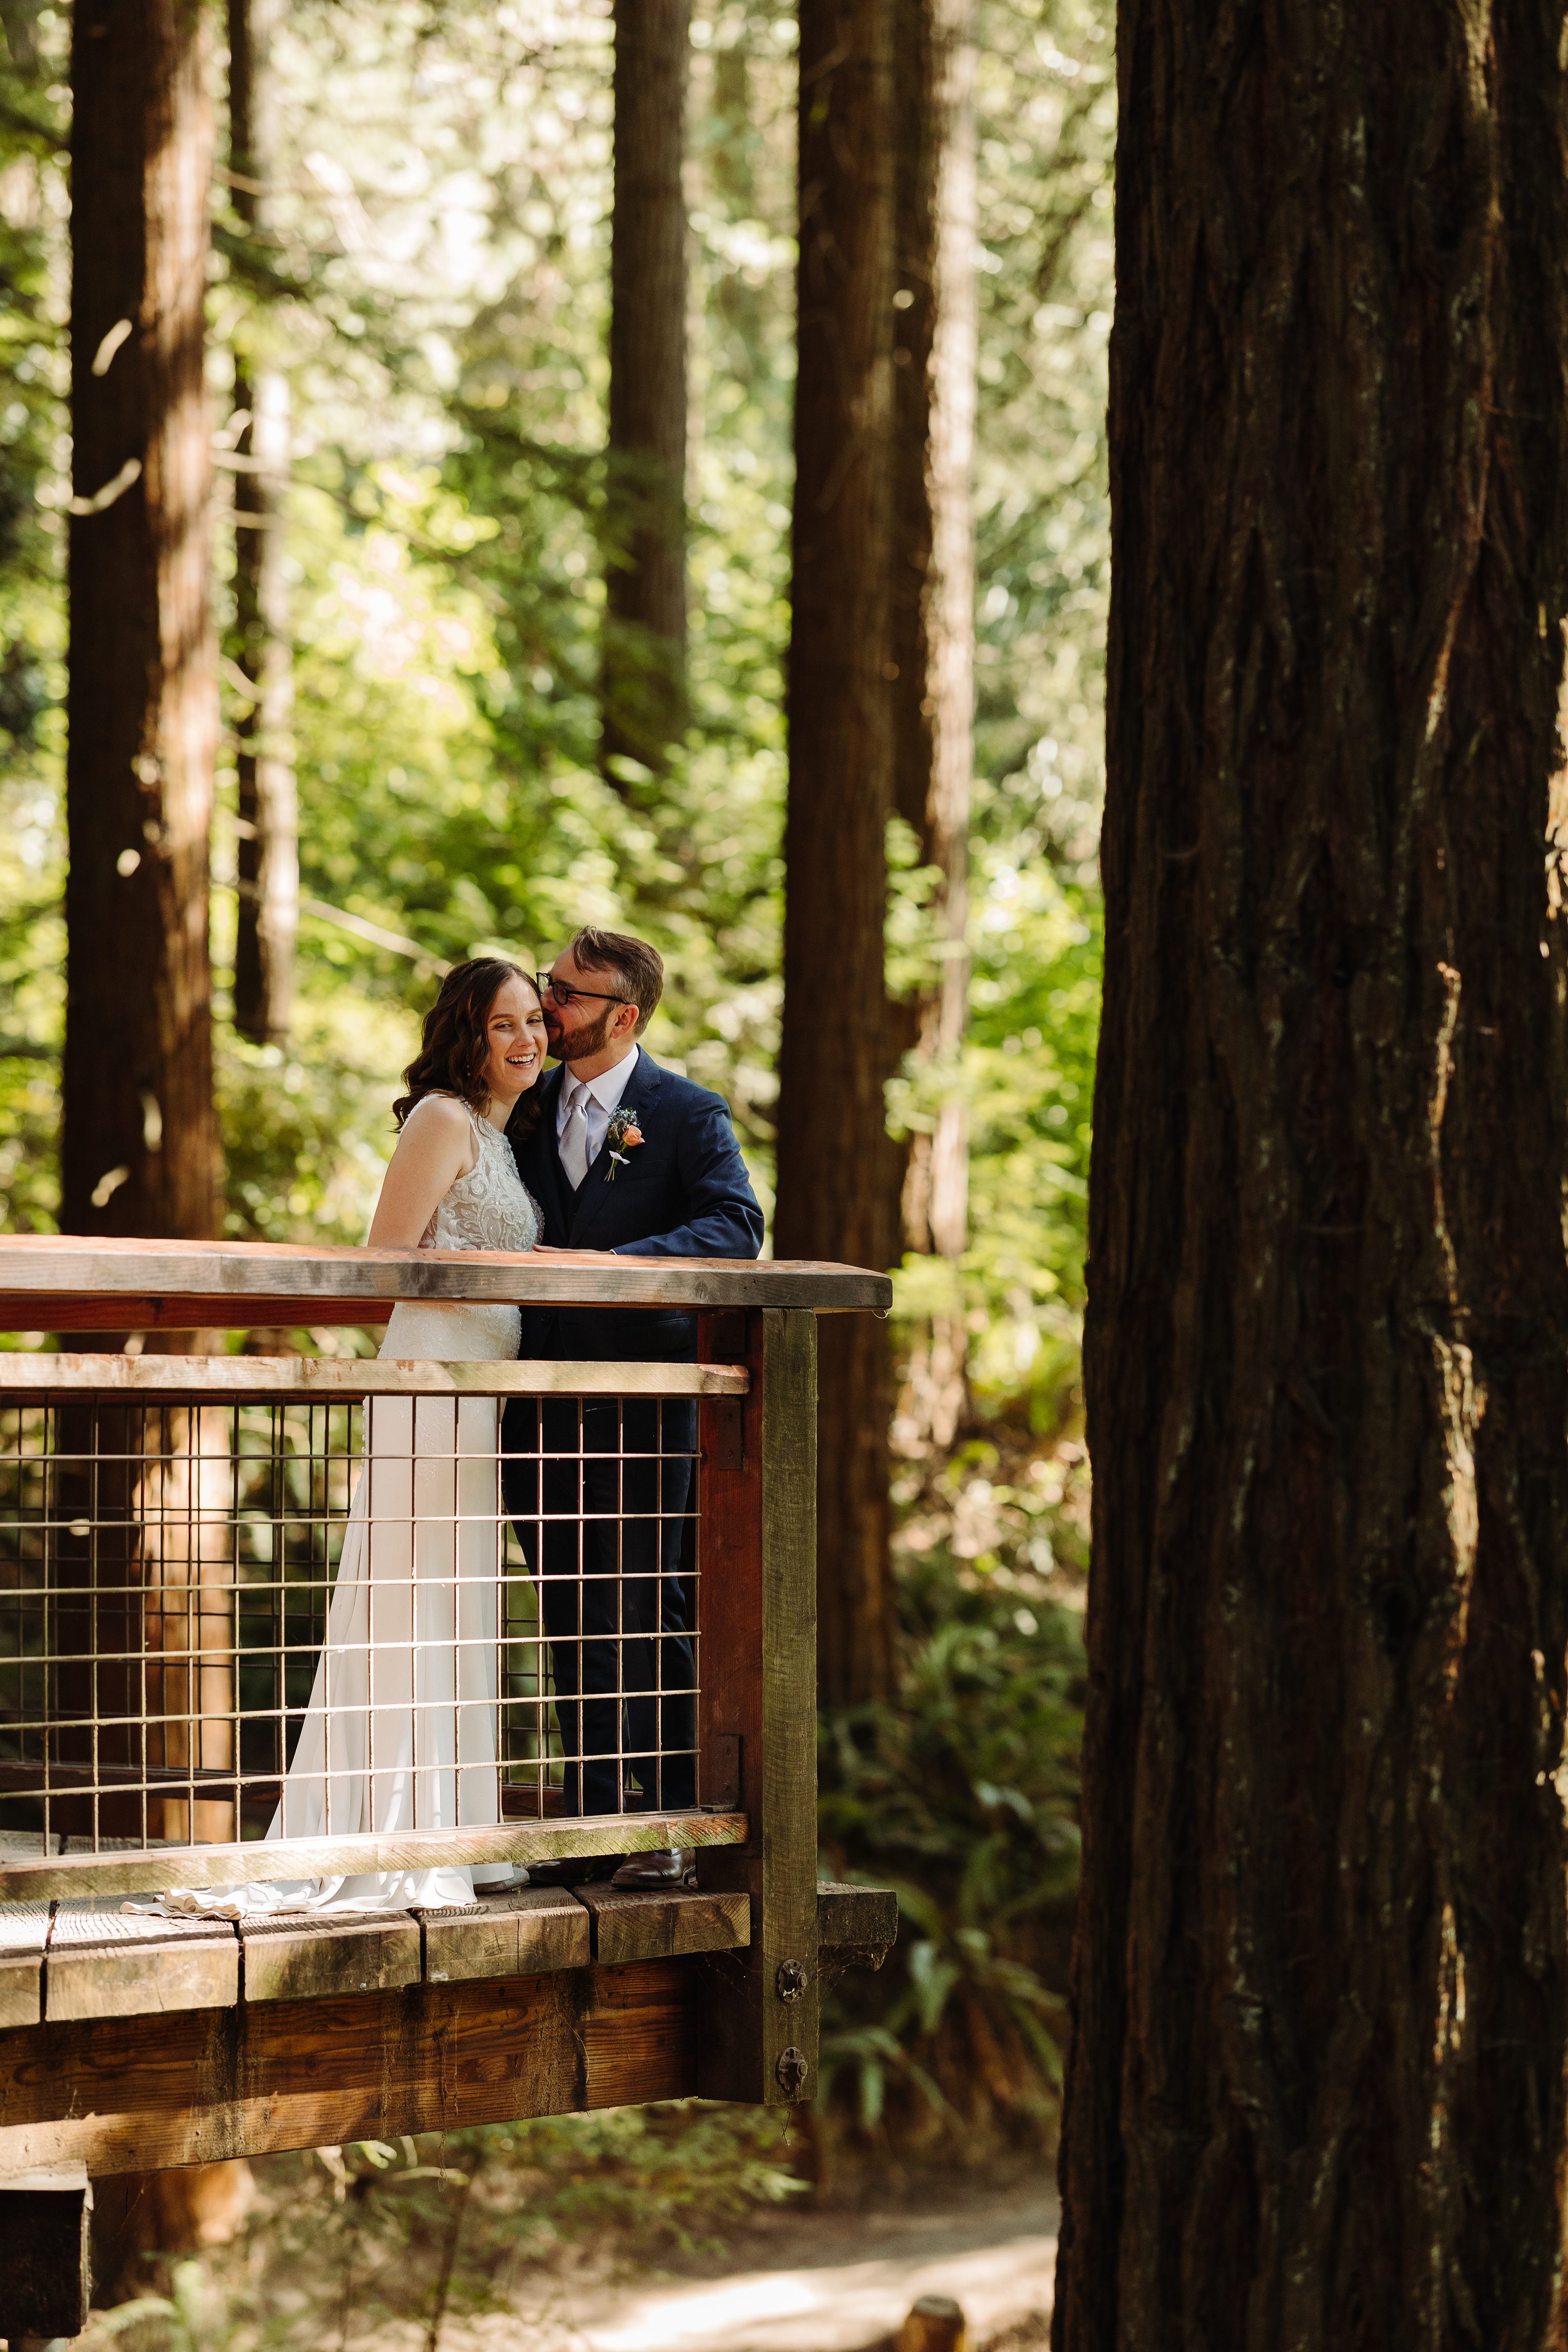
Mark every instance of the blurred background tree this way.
pixel 267 815
pixel 139 1140
pixel 836 1183
pixel 410 290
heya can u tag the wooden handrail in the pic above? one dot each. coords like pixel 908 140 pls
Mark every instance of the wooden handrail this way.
pixel 256 1280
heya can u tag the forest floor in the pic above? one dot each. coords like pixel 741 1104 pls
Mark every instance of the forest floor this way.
pixel 834 2275
pixel 799 2279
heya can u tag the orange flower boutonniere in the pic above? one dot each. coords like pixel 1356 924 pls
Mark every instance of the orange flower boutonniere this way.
pixel 625 1136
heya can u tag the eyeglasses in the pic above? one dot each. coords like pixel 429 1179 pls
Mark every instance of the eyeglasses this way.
pixel 564 994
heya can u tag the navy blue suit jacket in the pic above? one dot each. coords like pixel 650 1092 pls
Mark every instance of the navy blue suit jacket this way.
pixel 683 1191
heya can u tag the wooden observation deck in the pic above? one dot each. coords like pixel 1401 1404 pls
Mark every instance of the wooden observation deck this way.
pixel 171 1527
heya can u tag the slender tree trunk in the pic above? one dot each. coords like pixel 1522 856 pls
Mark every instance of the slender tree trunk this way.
pixel 269 803
pixel 140 1148
pixel 645 625
pixel 837 1186
pixel 1316 2082
pixel 936 356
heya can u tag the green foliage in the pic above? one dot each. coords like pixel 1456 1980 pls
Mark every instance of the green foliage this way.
pixel 665 2178
pixel 962 1796
pixel 348 2241
pixel 1046 129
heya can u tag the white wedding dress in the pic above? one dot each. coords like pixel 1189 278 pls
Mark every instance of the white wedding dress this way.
pixel 402 1728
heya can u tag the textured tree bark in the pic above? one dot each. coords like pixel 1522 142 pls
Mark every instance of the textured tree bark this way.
pixel 140 1146
pixel 1316 2082
pixel 837 1177
pixel 140 1143
pixel 644 683
pixel 935 355
pixel 269 919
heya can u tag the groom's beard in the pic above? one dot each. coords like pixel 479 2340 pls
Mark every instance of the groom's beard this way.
pixel 587 1041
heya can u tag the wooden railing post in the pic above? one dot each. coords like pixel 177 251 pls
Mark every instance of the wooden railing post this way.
pixel 757 1554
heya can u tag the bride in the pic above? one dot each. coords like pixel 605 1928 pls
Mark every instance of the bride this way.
pixel 401 1732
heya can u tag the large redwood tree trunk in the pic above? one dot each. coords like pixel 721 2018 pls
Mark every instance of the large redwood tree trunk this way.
pixel 1316 2082
pixel 837 1189
pixel 140 1148
pixel 269 858
pixel 936 356
pixel 644 683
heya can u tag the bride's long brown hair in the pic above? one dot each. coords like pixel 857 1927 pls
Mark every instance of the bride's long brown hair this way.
pixel 455 1046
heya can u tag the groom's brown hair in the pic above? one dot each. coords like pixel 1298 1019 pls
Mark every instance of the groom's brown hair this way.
pixel 637 967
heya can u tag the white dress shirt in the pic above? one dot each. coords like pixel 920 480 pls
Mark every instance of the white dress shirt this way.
pixel 587 1108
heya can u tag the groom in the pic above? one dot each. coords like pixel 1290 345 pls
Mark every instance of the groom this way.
pixel 621 1155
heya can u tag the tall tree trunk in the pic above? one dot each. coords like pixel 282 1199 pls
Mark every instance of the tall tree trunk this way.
pixel 140 1150
pixel 1316 2091
pixel 837 1189
pixel 936 356
pixel 269 803
pixel 644 685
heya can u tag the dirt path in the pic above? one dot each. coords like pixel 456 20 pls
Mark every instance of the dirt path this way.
pixel 812 2282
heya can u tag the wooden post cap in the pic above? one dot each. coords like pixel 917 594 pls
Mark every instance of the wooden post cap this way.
pixel 934 2324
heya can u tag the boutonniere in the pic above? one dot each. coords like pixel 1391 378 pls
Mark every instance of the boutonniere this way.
pixel 624 1136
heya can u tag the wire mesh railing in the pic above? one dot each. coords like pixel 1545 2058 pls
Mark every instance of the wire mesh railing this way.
pixel 420 1611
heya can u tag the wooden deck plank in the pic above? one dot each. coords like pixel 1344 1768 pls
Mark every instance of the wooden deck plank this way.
pixel 133 2094
pixel 102 1963
pixel 298 1958
pixel 529 1932
pixel 659 1926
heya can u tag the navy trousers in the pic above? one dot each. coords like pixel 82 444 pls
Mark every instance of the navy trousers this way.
pixel 597 1491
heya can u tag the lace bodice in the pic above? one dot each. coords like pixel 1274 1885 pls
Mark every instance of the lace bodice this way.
pixel 490 1207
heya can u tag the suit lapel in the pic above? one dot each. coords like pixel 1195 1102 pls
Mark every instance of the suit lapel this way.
pixel 641 1089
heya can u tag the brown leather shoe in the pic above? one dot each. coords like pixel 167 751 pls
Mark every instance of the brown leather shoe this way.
pixel 639 1871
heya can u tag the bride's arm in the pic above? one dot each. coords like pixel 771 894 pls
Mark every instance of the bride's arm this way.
pixel 435 1147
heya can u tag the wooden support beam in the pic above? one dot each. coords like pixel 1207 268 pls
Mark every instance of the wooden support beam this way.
pixel 758 1702
pixel 45 2278
pixel 87 1310
pixel 857 1926
pixel 139 2094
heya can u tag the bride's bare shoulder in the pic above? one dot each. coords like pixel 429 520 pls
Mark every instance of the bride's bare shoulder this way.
pixel 441 1128
pixel 440 1114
